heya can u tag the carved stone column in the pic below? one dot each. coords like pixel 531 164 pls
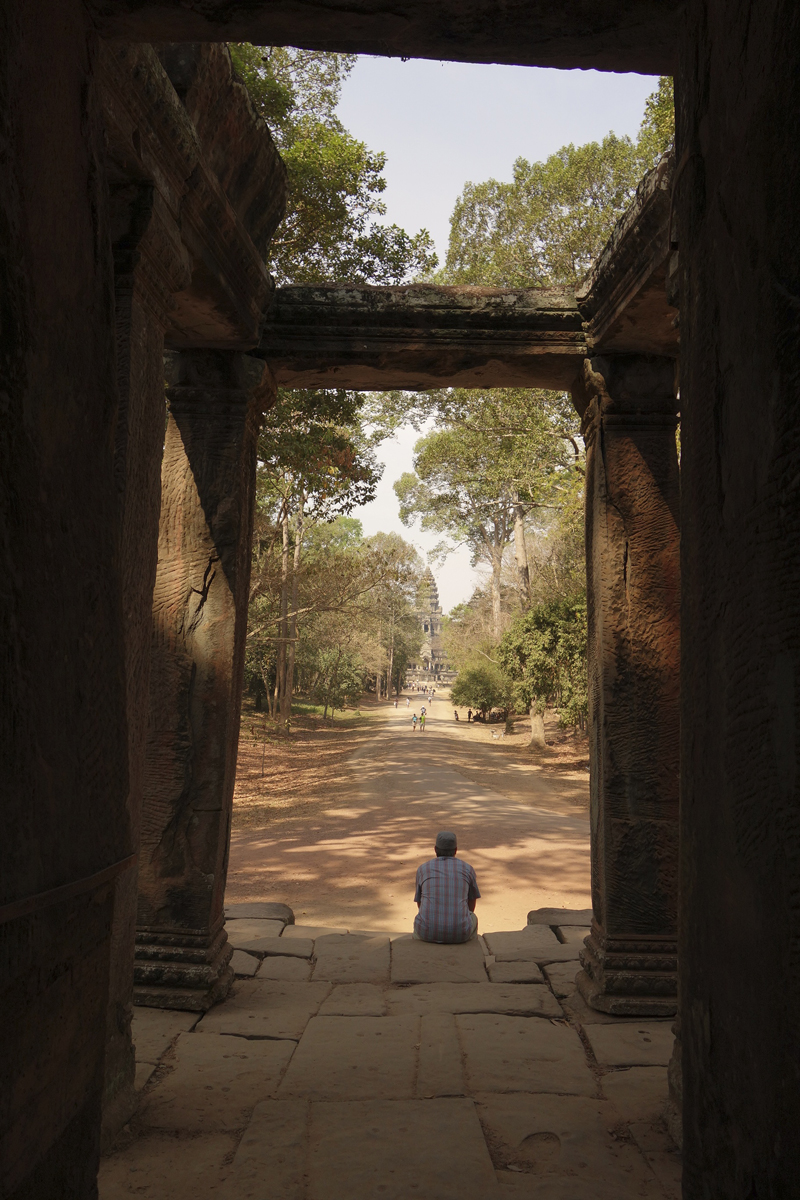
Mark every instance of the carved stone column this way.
pixel 633 581
pixel 150 265
pixel 197 655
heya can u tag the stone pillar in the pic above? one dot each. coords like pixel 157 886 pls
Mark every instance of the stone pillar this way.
pixel 633 584
pixel 197 659
pixel 150 264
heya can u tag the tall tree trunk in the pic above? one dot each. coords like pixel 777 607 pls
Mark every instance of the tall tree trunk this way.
pixel 521 553
pixel 391 663
pixel 280 673
pixel 497 563
pixel 291 645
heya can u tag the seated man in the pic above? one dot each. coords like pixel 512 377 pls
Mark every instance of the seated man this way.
pixel 446 893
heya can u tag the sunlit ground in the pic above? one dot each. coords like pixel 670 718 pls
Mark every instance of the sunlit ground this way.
pixel 349 857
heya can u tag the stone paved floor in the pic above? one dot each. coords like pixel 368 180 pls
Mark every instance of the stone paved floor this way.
pixel 350 1065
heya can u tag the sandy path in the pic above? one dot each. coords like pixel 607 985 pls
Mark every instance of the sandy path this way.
pixel 353 863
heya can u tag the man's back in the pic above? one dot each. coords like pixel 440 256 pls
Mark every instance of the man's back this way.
pixel 445 887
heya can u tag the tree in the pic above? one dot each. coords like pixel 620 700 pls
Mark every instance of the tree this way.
pixel 494 457
pixel 332 229
pixel 551 221
pixel 481 688
pixel 544 654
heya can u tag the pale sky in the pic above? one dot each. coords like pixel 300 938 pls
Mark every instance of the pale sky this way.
pixel 441 125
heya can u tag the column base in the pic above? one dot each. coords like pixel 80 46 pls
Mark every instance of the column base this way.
pixel 629 977
pixel 178 970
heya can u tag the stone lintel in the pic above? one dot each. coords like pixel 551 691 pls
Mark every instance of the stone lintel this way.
pixel 636 36
pixel 625 297
pixel 221 236
pixel 423 336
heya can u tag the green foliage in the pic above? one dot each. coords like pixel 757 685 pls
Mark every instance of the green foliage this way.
pixel 551 221
pixel 544 653
pixel 657 132
pixel 331 230
pixel 481 688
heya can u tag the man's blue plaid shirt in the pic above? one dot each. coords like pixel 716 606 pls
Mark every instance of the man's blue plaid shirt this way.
pixel 444 887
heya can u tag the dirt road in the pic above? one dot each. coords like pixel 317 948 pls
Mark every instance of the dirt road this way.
pixel 352 862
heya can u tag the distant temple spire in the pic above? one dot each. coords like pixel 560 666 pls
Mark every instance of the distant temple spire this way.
pixel 432 664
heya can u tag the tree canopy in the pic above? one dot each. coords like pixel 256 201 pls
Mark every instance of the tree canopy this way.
pixel 332 229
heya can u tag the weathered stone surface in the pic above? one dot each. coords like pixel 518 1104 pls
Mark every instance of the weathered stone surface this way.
pixel 638 1093
pixel 354 1058
pixel 632 1043
pixel 244 965
pixel 311 931
pixel 265 1009
pixel 288 947
pixel 642 38
pixel 424 962
pixel 534 943
pixel 523 1054
pixel 633 581
pixel 154 1029
pixel 441 1071
pixel 560 916
pixel 561 977
pixel 245 933
pixel 566 1147
pixel 521 999
pixel 270 1161
pixel 197 659
pixel 265 910
pixel 397 1149
pixel 421 335
pixel 158 1165
pixel 214 1083
pixel 661 1155
pixel 571 934
pixel 352 959
pixel 293 969
pixel 355 1000
pixel 624 298
pixel 515 972
pixel 143 1072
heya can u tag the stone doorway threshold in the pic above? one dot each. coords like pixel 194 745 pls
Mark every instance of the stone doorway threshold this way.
pixel 348 1065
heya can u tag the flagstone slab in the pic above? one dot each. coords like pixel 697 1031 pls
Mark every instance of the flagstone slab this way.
pixel 441 1071
pixel 144 1071
pixel 571 934
pixel 515 972
pixel 215 1082
pixel 270 1161
pixel 312 931
pixel 355 1000
pixel 242 932
pixel 244 964
pixel 637 1093
pixel 158 1166
pixel 354 1058
pixel 519 999
pixel 561 977
pixel 564 1148
pixel 292 947
pixel 396 1150
pixel 265 1008
pixel 426 962
pixel 268 910
pixel 352 959
pixel 632 1044
pixel 294 970
pixel 661 1154
pixel 535 943
pixel 154 1029
pixel 560 916
pixel 523 1054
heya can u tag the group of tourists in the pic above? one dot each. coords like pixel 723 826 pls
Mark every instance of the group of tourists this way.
pixel 421 721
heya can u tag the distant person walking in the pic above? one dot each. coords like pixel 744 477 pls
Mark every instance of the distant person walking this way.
pixel 469 714
pixel 414 722
pixel 408 701
pixel 422 721
pixel 395 703
pixel 455 713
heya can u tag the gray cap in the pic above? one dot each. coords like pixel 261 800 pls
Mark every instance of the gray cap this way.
pixel 446 841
